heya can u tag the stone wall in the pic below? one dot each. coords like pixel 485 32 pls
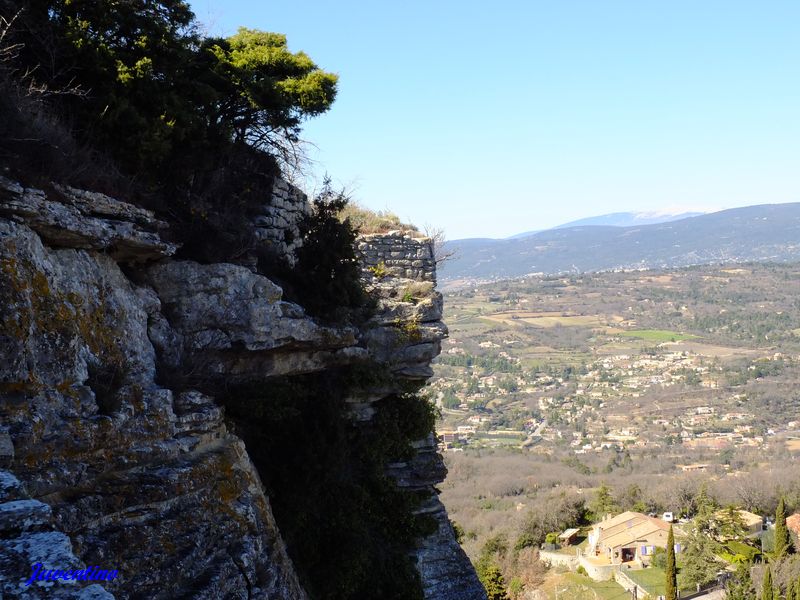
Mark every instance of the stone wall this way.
pixel 405 335
pixel 408 255
pixel 277 225
pixel 402 254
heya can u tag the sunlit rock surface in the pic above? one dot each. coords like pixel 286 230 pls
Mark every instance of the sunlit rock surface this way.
pixel 112 450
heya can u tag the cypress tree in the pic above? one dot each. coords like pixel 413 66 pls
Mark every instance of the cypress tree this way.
pixel 790 590
pixel 781 533
pixel 766 586
pixel 796 591
pixel 671 572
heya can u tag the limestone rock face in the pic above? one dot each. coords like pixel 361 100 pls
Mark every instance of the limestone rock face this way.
pixel 405 334
pixel 86 220
pixel 219 310
pixel 107 459
pixel 135 477
pixel 28 538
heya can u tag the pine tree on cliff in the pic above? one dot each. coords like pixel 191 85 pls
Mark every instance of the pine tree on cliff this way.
pixel 766 586
pixel 782 544
pixel 671 571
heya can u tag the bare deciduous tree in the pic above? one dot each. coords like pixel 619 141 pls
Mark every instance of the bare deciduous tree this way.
pixel 438 244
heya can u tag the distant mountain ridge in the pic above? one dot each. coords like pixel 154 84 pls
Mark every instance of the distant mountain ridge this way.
pixel 767 232
pixel 618 219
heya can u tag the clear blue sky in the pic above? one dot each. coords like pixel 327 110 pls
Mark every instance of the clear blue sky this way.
pixel 488 119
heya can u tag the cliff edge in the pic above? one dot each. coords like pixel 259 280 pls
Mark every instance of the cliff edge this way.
pixel 162 418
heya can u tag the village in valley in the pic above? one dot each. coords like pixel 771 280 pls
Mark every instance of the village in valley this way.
pixel 567 374
pixel 669 394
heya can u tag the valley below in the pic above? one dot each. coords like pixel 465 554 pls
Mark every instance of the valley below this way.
pixel 562 397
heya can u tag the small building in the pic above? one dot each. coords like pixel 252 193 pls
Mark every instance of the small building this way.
pixel 448 437
pixel 694 468
pixel 569 537
pixel 628 538
pixel 753 523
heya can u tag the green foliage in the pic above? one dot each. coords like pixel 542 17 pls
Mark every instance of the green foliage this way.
pixel 458 531
pixel 527 539
pixel 516 586
pixel 767 593
pixel 670 570
pixel 492 581
pixel 266 90
pixel 192 127
pixel 379 271
pixel 782 545
pixel 410 331
pixel 327 277
pixel 128 60
pixel 768 541
pixel 729 524
pixel 659 560
pixel 348 528
pixel 495 545
pixel 493 549
pixel 156 89
pixel 486 364
pixel 603 503
pixel 739 553
pixel 561 512
pixel 700 564
pixel 740 586
pixel 575 463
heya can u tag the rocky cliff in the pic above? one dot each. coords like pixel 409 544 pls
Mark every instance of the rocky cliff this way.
pixel 135 390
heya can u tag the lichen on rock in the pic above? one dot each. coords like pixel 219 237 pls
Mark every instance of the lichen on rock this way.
pixel 116 362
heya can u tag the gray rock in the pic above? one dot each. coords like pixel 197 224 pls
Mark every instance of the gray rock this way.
pixel 86 220
pixel 118 465
pixel 235 321
pixel 6 450
pixel 127 473
pixel 23 515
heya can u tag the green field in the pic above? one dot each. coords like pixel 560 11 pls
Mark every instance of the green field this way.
pixel 580 587
pixel 651 579
pixel 657 335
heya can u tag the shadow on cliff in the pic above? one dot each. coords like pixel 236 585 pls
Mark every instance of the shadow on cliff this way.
pixel 347 526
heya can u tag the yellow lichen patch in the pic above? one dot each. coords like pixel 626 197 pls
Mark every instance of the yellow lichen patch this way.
pixel 24 387
pixel 65 387
pixel 410 330
pixel 69 314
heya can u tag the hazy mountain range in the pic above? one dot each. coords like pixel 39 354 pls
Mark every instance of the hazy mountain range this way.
pixel 619 219
pixel 767 232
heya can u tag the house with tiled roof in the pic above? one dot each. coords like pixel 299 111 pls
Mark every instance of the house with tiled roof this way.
pixel 793 523
pixel 630 538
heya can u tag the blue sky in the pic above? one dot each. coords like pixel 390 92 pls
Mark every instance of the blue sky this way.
pixel 488 119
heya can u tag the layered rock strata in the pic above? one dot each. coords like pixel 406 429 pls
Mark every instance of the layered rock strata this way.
pixel 113 451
